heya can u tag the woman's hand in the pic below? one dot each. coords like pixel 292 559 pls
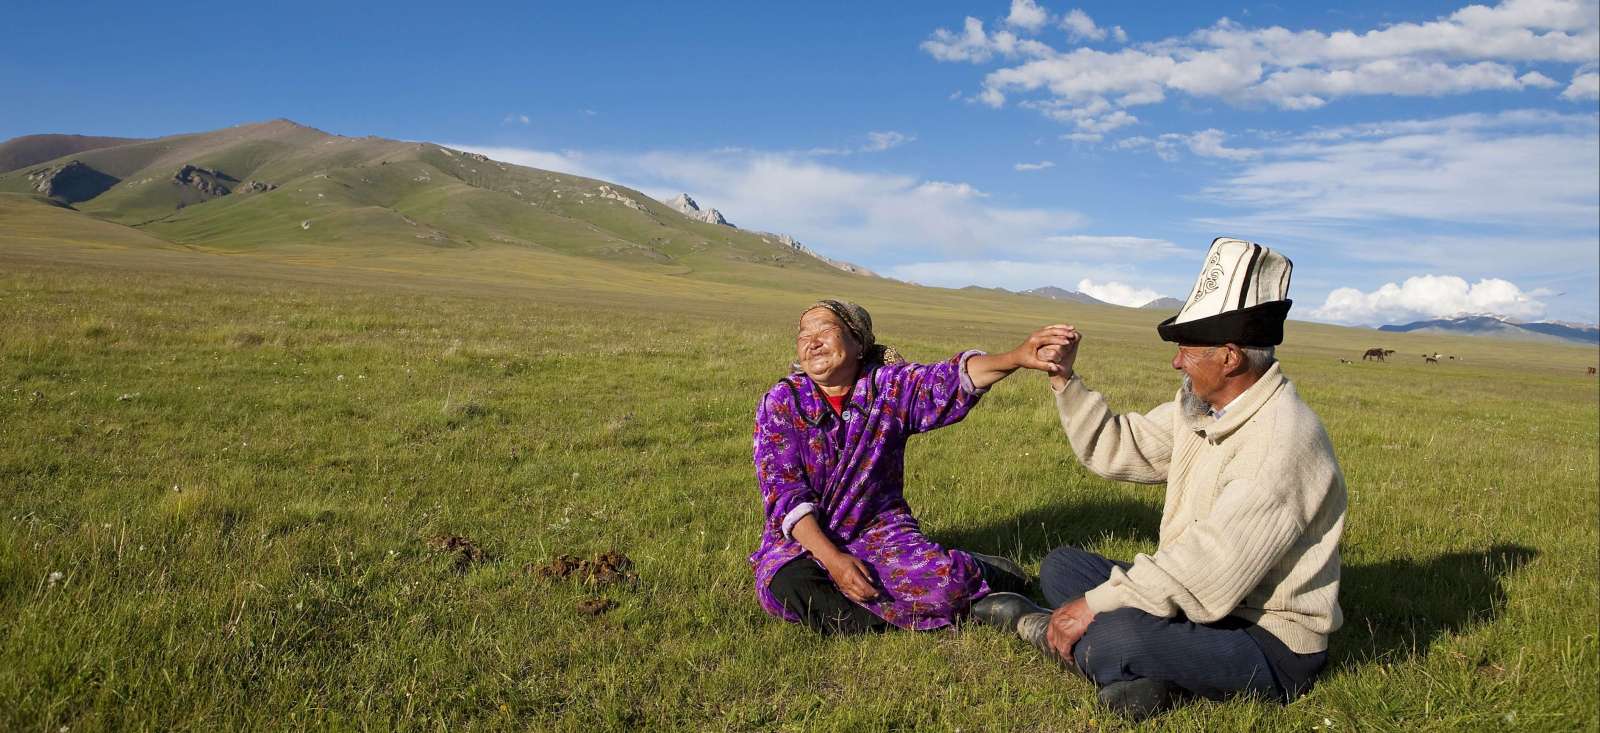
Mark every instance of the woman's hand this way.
pixel 1036 352
pixel 853 577
pixel 986 370
pixel 1063 355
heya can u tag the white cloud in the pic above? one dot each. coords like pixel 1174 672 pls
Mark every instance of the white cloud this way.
pixel 1080 27
pixel 1476 48
pixel 840 212
pixel 1521 169
pixel 1428 296
pixel 1027 15
pixel 976 45
pixel 879 141
pixel 1117 293
pixel 1208 143
pixel 1039 166
pixel 1585 85
pixel 516 119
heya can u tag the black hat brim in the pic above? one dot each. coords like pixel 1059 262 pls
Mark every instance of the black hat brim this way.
pixel 1258 325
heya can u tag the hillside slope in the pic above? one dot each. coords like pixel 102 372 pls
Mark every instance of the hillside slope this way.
pixel 279 184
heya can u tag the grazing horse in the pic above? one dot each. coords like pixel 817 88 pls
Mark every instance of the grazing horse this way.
pixel 1378 354
pixel 1430 359
pixel 1345 361
pixel 1591 370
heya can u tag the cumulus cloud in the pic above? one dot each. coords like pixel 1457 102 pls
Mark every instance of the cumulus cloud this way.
pixel 976 45
pixel 1117 293
pixel 1080 27
pixel 1027 15
pixel 1429 296
pixel 1039 166
pixel 516 119
pixel 1476 48
pixel 1585 85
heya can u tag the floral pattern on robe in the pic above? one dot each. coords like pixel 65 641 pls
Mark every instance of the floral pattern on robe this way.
pixel 851 469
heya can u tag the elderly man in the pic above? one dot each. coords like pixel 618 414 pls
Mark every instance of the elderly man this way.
pixel 1243 590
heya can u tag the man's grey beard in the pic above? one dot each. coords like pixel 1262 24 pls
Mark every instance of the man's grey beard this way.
pixel 1190 401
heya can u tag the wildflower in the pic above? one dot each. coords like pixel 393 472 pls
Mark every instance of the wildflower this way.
pixel 55 576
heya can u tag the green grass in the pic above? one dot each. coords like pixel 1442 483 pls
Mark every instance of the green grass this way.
pixel 235 462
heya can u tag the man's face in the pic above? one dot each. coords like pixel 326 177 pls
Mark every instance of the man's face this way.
pixel 824 347
pixel 1203 365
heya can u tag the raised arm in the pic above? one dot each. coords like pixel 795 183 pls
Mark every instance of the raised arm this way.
pixel 1129 447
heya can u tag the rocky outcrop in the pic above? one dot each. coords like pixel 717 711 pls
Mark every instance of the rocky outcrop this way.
pixel 208 182
pixel 607 192
pixel 70 182
pixel 256 187
pixel 686 206
pixel 784 240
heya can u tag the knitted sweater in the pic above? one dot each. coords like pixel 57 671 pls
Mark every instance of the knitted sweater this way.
pixel 1254 509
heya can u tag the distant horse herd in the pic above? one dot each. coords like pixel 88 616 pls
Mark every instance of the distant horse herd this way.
pixel 1382 354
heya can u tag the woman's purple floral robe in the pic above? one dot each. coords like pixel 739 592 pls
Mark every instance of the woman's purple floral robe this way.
pixel 851 469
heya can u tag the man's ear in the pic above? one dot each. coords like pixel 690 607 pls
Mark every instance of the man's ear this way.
pixel 1234 362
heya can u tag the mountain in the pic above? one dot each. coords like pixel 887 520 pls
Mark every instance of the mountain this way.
pixel 689 208
pixel 1055 293
pixel 21 152
pixel 1164 304
pixel 1492 325
pixel 279 185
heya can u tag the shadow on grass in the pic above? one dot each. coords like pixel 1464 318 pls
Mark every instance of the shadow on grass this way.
pixel 1032 534
pixel 1393 610
pixel 1397 609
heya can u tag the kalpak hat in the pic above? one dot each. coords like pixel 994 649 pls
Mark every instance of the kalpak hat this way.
pixel 1241 297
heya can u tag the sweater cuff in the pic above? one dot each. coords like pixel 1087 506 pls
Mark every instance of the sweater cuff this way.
pixel 794 516
pixel 1072 389
pixel 966 379
pixel 1104 598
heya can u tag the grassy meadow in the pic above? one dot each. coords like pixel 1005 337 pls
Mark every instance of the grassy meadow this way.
pixel 220 475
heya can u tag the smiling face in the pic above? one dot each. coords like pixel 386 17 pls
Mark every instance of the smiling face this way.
pixel 825 349
pixel 1204 367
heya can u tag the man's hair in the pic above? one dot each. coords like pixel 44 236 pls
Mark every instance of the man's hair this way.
pixel 1258 358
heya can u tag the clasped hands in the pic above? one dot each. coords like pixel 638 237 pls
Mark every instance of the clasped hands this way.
pixel 1051 350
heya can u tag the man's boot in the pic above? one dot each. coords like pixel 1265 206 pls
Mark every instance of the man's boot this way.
pixel 1001 573
pixel 1139 699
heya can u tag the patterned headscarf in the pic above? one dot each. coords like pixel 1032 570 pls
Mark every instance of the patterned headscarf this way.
pixel 859 321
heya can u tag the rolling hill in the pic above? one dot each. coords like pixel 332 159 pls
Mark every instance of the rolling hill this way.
pixel 282 186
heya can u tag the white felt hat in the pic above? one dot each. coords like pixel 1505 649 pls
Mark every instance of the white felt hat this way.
pixel 1241 297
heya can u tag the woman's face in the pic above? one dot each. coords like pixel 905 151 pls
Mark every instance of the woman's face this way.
pixel 825 349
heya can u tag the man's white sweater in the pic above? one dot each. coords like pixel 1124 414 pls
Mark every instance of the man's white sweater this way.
pixel 1254 510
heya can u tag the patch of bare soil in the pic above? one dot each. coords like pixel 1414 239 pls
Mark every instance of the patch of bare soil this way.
pixel 466 552
pixel 606 568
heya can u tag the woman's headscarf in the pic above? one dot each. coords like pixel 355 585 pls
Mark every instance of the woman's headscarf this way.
pixel 859 322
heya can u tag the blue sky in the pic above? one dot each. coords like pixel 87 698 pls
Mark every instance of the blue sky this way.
pixel 1414 162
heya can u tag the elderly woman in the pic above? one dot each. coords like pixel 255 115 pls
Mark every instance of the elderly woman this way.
pixel 840 551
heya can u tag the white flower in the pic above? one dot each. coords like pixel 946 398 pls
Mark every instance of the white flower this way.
pixel 55 576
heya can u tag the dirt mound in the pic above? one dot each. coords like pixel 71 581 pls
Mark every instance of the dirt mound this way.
pixel 606 568
pixel 467 553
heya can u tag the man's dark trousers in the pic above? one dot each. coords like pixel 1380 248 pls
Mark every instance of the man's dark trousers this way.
pixel 1214 660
